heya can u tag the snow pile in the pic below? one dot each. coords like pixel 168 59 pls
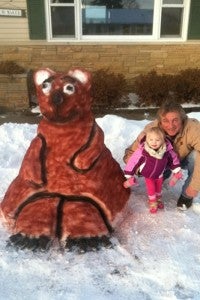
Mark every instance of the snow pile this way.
pixel 155 257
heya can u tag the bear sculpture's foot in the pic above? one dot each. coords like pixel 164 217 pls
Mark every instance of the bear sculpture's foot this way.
pixel 43 243
pixel 82 245
pixel 21 241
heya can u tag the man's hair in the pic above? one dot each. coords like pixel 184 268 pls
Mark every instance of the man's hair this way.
pixel 171 105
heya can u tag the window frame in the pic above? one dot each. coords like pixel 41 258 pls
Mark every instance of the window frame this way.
pixel 184 30
pixel 48 6
pixel 155 37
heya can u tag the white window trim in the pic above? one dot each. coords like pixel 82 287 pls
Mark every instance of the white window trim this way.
pixel 186 6
pixel 155 37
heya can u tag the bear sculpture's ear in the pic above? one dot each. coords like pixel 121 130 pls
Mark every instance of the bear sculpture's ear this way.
pixel 41 75
pixel 81 75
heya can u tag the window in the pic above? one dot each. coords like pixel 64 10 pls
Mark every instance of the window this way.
pixel 62 18
pixel 117 17
pixel 172 18
pixel 114 20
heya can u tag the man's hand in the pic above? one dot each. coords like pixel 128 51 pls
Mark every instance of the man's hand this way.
pixel 190 192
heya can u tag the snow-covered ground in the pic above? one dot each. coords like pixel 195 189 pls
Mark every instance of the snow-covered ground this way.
pixel 155 257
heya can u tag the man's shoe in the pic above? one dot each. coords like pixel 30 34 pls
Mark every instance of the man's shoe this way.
pixel 184 203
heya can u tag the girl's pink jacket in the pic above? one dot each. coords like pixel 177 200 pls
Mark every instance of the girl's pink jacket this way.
pixel 149 166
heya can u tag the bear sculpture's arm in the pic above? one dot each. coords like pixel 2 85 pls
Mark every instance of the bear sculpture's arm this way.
pixel 86 157
pixel 35 157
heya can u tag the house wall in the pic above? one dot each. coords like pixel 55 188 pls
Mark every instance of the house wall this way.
pixel 13 92
pixel 128 59
pixel 13 28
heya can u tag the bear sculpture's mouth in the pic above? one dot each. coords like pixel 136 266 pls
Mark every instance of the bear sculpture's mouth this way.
pixel 56 117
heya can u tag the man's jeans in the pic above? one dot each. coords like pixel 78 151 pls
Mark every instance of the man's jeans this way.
pixel 188 164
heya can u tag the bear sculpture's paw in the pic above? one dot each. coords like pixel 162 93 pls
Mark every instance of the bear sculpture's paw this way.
pixel 21 241
pixel 82 245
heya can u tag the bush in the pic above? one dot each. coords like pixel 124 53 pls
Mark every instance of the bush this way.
pixel 10 67
pixel 152 88
pixel 186 86
pixel 109 89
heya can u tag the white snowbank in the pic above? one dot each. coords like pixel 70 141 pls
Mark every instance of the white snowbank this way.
pixel 155 257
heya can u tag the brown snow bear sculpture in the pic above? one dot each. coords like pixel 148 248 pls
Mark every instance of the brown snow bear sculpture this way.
pixel 69 186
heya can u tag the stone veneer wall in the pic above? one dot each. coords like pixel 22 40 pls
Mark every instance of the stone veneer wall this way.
pixel 13 92
pixel 128 59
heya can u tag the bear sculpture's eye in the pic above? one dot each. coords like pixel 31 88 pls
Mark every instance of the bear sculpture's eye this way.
pixel 46 87
pixel 69 89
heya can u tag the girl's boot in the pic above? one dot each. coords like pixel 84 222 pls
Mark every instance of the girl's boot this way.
pixel 160 203
pixel 153 206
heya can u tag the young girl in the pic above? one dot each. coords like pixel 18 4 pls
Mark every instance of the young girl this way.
pixel 154 154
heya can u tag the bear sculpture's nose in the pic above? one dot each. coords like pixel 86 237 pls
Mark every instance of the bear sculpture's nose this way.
pixel 57 98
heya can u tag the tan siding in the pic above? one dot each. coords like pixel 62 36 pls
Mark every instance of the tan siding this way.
pixel 13 28
pixel 21 4
pixel 19 36
pixel 5 23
